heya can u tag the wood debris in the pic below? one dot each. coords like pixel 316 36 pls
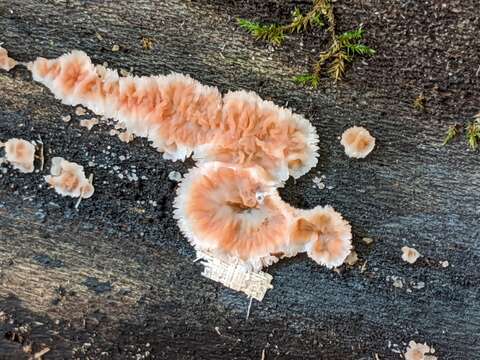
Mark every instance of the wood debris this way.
pixel 367 240
pixel 253 284
pixel 39 354
pixel 352 258
pixel 147 43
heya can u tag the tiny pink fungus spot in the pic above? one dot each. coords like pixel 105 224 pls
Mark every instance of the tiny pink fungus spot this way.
pixel 68 179
pixel 410 255
pixel 6 63
pixel 358 142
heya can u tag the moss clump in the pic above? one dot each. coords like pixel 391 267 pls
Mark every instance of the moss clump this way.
pixel 342 50
pixel 471 129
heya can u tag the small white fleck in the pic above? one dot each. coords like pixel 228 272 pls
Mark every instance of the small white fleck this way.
pixel 175 176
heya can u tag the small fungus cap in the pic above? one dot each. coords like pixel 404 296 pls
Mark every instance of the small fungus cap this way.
pixel 324 234
pixel 358 142
pixel 21 154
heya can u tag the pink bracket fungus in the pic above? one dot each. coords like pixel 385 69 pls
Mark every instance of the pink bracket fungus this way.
pixel 182 117
pixel 6 63
pixel 68 179
pixel 358 142
pixel 20 153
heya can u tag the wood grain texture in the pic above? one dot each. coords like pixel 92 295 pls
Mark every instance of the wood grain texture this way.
pixel 117 280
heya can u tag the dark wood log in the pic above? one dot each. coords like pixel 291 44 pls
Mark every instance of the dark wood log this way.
pixel 115 279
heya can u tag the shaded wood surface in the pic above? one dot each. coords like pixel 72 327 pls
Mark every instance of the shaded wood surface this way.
pixel 117 280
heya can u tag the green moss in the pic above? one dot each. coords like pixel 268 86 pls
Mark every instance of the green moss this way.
pixel 342 50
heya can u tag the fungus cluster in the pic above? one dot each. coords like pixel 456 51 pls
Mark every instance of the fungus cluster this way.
pixel 237 214
pixel 245 148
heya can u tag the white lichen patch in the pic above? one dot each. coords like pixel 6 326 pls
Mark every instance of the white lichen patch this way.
pixel 410 255
pixel 396 281
pixel 20 154
pixel 417 351
pixel 68 179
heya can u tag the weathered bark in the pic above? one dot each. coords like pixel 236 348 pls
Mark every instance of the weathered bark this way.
pixel 116 279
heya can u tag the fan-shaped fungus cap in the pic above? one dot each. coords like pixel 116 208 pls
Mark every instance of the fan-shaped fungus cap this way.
pixel 68 179
pixel 6 63
pixel 258 132
pixel 232 212
pixel 358 142
pixel 21 154
pixel 324 234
